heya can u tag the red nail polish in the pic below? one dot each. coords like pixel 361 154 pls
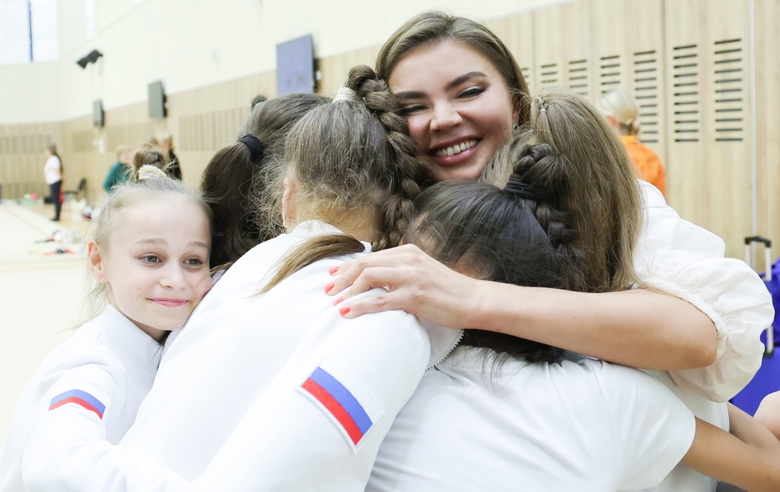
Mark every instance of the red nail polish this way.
pixel 329 286
pixel 344 311
pixel 334 270
pixel 338 301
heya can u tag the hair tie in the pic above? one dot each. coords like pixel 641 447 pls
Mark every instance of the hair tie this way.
pixel 522 190
pixel 255 146
pixel 148 171
pixel 543 110
pixel 345 94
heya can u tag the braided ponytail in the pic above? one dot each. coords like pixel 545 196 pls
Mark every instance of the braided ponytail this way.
pixel 355 167
pixel 542 177
pixel 586 196
pixel 409 173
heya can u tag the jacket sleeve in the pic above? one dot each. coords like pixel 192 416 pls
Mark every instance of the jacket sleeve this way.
pixel 318 426
pixel 687 261
pixel 67 450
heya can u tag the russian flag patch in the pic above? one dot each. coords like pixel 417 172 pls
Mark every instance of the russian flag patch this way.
pixel 81 398
pixel 344 399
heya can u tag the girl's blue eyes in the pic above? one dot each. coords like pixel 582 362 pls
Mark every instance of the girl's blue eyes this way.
pixel 194 262
pixel 151 259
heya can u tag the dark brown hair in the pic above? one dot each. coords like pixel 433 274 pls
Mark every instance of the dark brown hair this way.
pixel 149 155
pixel 232 181
pixel 568 217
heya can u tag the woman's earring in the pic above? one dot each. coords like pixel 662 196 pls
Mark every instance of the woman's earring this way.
pixel 515 128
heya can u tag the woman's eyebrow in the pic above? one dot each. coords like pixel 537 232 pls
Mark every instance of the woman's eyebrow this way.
pixel 454 83
pixel 462 78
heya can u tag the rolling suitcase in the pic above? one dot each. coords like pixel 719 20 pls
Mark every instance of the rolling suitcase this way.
pixel 767 380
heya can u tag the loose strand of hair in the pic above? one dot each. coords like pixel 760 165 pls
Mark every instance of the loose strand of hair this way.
pixel 311 251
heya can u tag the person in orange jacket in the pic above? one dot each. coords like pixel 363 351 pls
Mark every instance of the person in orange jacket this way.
pixel 622 114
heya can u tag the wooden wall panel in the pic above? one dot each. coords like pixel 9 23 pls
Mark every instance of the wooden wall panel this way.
pixel 627 44
pixel 707 53
pixel 334 69
pixel 767 18
pixel 22 156
pixel 562 38
pixel 517 33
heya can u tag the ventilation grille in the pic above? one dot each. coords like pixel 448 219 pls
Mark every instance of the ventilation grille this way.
pixel 647 93
pixel 686 99
pixel 729 93
pixel 24 144
pixel 578 77
pixel 609 73
pixel 549 75
pixel 210 131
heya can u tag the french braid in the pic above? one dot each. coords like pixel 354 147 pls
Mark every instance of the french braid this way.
pixel 410 175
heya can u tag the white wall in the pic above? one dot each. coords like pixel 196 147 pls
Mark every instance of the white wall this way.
pixel 195 43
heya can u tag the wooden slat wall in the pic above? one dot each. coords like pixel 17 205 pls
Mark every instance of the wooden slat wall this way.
pixel 334 69
pixel 22 156
pixel 686 61
pixel 768 119
pixel 708 95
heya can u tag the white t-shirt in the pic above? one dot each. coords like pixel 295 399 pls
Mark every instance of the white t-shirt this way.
pixel 585 426
pixel 52 170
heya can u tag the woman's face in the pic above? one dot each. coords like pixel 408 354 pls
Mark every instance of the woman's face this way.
pixel 457 104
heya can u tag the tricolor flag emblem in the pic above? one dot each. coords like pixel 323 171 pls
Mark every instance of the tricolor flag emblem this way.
pixel 344 399
pixel 81 398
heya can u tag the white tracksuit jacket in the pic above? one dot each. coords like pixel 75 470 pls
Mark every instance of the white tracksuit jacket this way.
pixel 79 404
pixel 234 360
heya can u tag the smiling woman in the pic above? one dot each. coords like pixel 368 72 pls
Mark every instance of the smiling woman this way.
pixel 458 113
pixel 462 93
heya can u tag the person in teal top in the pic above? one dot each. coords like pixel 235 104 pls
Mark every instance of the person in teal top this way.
pixel 119 172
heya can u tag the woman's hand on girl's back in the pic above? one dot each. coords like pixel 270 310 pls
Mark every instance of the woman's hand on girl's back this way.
pixel 416 283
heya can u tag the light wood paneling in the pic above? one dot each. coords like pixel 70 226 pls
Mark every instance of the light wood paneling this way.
pixel 767 18
pixel 517 33
pixel 22 156
pixel 562 47
pixel 707 53
pixel 628 48
pixel 334 69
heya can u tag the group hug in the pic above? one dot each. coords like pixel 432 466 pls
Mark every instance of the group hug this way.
pixel 435 281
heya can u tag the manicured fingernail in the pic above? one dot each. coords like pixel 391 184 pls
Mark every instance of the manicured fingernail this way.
pixel 334 270
pixel 338 301
pixel 329 286
pixel 344 311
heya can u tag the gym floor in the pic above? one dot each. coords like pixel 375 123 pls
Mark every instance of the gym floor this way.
pixel 41 292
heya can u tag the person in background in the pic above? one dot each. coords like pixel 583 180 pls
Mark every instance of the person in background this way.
pixel 622 114
pixel 165 141
pixel 52 171
pixel 120 171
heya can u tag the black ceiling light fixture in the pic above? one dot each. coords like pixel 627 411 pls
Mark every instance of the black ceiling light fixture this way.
pixel 92 57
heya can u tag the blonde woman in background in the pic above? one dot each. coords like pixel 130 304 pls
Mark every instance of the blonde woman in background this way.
pixel 622 114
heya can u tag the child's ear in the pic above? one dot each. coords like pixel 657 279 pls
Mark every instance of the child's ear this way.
pixel 288 204
pixel 96 267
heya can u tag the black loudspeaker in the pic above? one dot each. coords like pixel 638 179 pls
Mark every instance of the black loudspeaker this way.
pixel 156 100
pixel 92 57
pixel 97 113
